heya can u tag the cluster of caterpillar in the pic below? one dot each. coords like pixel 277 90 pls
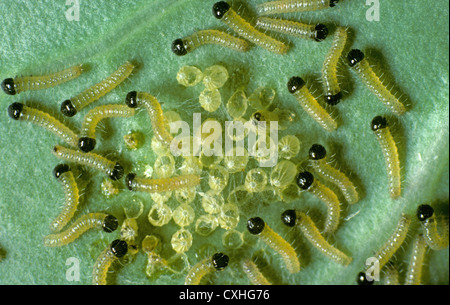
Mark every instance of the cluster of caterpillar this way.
pixel 431 236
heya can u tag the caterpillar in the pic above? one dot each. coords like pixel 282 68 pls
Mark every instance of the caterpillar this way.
pixel 289 6
pixel 317 32
pixel 71 106
pixel 182 46
pixel 305 180
pixel 114 170
pixel 140 184
pixel 296 86
pixel 117 249
pixel 381 130
pixel 159 125
pixel 356 60
pixel 427 217
pixel 215 263
pixel 13 86
pixel 106 222
pixel 19 111
pixel 333 94
pixel 87 139
pixel 318 161
pixel 253 273
pixel 223 11
pixel 414 274
pixel 257 226
pixel 394 242
pixel 309 229
pixel 64 175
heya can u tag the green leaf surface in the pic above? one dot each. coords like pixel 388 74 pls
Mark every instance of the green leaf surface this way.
pixel 410 45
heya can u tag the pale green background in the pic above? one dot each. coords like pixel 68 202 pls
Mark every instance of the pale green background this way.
pixel 410 41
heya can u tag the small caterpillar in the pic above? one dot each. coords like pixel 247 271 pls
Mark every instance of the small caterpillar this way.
pixel 330 81
pixel 309 229
pixel 64 175
pixel 223 11
pixel 362 67
pixel 305 180
pixel 18 111
pixel 113 169
pixel 394 242
pixel 253 273
pixel 182 46
pixel 380 127
pixel 159 125
pixel 257 226
pixel 72 106
pixel 215 263
pixel 414 274
pixel 160 185
pixel 13 86
pixel 316 32
pixel 84 223
pixel 296 86
pixel 317 156
pixel 289 6
pixel 427 217
pixel 87 140
pixel 117 249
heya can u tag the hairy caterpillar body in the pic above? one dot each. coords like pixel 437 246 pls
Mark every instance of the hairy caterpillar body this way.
pixel 394 242
pixel 305 180
pixel 257 226
pixel 113 170
pixel 87 139
pixel 159 125
pixel 72 106
pixel 289 6
pixel 427 217
pixel 362 67
pixel 223 11
pixel 13 86
pixel 330 82
pixel 215 263
pixel 414 274
pixel 253 273
pixel 18 111
pixel 182 46
pixel 65 176
pixel 317 156
pixel 297 88
pixel 381 130
pixel 309 229
pixel 140 184
pixel 106 222
pixel 117 249
pixel 297 29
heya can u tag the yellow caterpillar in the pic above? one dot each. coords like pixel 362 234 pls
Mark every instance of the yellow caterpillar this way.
pixel 223 11
pixel 182 46
pixel 257 226
pixel 13 86
pixel 19 111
